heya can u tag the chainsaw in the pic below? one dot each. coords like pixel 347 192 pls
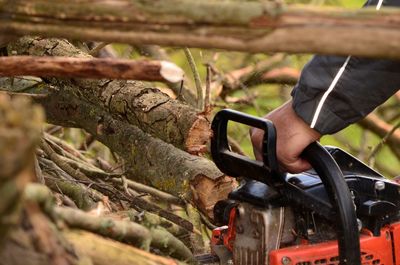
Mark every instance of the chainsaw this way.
pixel 340 212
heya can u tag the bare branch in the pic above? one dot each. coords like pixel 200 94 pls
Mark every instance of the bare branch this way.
pixel 90 68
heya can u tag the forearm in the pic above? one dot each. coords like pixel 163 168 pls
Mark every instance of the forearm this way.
pixel 363 85
pixel 334 91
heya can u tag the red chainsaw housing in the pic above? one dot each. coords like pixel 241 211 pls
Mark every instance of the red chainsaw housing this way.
pixel 381 250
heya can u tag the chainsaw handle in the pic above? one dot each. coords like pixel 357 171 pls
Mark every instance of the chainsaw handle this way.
pixel 341 200
pixel 267 171
pixel 237 165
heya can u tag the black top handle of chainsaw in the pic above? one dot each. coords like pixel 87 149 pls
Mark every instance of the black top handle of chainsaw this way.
pixel 341 200
pixel 237 165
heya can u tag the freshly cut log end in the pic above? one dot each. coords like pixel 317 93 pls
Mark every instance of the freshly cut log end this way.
pixel 207 192
pixel 198 136
pixel 171 72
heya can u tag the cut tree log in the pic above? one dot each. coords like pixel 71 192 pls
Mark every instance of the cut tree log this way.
pixel 232 25
pixel 148 160
pixel 90 68
pixel 137 103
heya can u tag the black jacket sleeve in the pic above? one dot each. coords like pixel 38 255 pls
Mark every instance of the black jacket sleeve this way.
pixel 334 91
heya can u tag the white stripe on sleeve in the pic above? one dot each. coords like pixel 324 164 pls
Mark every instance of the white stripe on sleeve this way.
pixel 333 84
pixel 326 94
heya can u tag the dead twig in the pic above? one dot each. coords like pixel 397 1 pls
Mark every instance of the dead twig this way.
pixel 375 150
pixel 61 163
pixel 95 51
pixel 196 77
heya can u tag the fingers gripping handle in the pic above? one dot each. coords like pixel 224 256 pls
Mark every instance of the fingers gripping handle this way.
pixel 237 165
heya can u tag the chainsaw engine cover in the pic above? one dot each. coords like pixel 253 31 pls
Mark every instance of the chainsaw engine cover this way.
pixel 377 200
pixel 259 231
pixel 266 221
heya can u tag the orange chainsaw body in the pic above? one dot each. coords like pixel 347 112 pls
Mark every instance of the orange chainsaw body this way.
pixel 375 250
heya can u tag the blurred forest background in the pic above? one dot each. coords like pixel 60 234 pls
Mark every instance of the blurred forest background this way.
pixel 106 169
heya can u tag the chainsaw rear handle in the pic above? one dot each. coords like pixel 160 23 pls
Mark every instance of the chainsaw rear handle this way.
pixel 236 165
pixel 267 172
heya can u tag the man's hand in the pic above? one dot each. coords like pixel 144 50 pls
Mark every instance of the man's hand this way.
pixel 293 135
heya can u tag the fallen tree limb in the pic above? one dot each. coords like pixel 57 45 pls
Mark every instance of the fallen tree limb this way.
pixel 242 26
pixel 76 192
pixel 80 195
pixel 139 104
pixel 141 188
pixel 123 231
pixel 79 191
pixel 90 68
pixel 152 220
pixel 105 252
pixel 62 163
pixel 65 148
pixel 166 242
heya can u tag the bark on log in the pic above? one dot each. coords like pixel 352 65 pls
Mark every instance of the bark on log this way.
pixel 125 231
pixel 90 68
pixel 105 252
pixel 149 160
pixel 242 26
pixel 139 104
